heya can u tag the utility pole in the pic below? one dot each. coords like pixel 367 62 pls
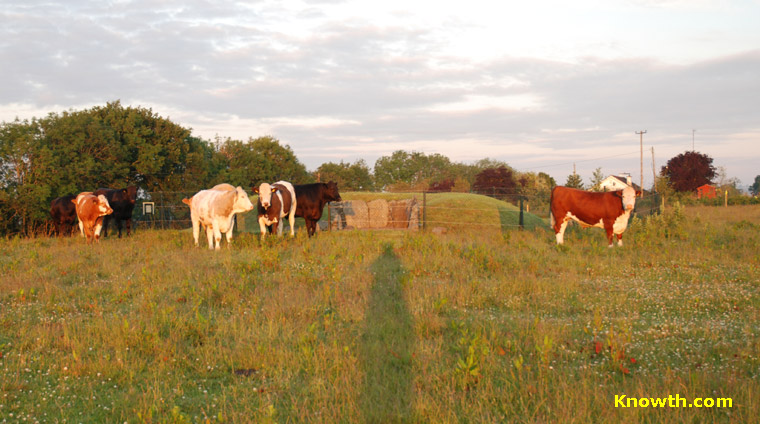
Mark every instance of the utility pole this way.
pixel 654 175
pixel 641 144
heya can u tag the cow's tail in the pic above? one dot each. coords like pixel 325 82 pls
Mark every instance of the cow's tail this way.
pixel 551 214
pixel 187 201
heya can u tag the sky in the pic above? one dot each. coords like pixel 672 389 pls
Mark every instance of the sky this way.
pixel 542 85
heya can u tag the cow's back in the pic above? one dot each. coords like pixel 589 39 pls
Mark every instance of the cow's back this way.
pixel 589 207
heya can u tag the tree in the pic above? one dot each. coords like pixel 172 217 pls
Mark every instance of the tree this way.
pixel 755 187
pixel 260 160
pixel 350 177
pixel 411 169
pixel 689 170
pixel 596 179
pixel 499 182
pixel 575 181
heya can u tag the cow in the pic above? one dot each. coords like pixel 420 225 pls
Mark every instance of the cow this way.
pixel 276 201
pixel 215 211
pixel 122 202
pixel 90 210
pixel 63 212
pixel 311 199
pixel 608 210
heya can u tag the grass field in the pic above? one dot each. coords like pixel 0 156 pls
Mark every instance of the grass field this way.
pixel 386 326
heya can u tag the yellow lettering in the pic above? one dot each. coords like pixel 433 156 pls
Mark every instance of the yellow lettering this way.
pixel 619 401
pixel 725 403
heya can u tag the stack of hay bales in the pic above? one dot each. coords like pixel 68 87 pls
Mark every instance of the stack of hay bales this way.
pixel 376 214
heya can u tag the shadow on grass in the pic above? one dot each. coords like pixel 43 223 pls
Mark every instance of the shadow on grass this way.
pixel 387 345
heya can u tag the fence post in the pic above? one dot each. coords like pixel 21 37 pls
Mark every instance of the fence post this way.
pixel 521 213
pixel 424 209
pixel 161 195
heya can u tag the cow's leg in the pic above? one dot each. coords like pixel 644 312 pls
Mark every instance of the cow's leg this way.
pixel 620 239
pixel 262 227
pixel 311 226
pixel 610 235
pixel 81 227
pixel 196 229
pixel 292 221
pixel 559 228
pixel 228 234
pixel 129 225
pixel 106 219
pixel 278 227
pixel 98 228
pixel 210 236
pixel 217 238
pixel 118 225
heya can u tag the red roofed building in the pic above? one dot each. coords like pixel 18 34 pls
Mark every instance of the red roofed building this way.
pixel 706 191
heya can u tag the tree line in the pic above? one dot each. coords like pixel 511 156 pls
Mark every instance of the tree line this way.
pixel 116 146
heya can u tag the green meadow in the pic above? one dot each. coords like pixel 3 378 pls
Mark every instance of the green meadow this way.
pixel 482 324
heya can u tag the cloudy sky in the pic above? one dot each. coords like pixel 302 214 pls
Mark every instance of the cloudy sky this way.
pixel 539 84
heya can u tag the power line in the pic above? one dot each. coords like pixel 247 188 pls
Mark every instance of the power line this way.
pixel 575 161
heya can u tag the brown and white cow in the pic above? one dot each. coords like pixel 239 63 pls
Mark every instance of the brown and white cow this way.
pixel 90 211
pixel 276 201
pixel 608 210
pixel 215 211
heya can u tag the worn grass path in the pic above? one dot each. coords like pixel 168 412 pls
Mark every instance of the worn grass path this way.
pixel 387 345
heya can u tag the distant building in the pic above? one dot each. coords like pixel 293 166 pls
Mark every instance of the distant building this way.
pixel 706 191
pixel 617 182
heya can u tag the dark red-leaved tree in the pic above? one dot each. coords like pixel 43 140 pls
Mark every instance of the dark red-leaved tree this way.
pixel 689 170
pixel 498 182
pixel 442 186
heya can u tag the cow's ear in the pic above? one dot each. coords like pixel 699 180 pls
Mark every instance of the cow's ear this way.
pixel 124 190
pixel 256 190
pixel 273 189
pixel 638 193
pixel 618 193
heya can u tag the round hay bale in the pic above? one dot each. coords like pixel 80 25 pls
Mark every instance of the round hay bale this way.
pixel 378 213
pixel 356 213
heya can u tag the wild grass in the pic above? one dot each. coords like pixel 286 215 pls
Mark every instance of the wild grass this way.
pixel 387 326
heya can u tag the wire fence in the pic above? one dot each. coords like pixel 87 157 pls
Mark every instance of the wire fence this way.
pixel 412 210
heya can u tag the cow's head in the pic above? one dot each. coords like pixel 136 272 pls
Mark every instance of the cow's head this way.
pixel 265 194
pixel 130 194
pixel 242 202
pixel 628 196
pixel 102 206
pixel 332 194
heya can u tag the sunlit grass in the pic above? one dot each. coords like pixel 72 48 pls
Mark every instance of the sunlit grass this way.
pixel 361 326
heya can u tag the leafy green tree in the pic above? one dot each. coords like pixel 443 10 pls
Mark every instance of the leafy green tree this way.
pixel 411 169
pixel 350 177
pixel 260 160
pixel 755 187
pixel 151 149
pixel 22 164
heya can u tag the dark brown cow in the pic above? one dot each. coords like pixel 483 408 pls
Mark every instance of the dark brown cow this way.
pixel 311 200
pixel 64 214
pixel 122 202
pixel 608 210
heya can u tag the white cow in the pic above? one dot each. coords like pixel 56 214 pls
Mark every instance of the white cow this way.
pixel 215 210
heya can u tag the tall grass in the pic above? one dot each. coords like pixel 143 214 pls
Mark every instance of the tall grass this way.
pixel 390 326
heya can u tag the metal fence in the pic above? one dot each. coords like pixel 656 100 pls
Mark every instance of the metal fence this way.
pixel 168 211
